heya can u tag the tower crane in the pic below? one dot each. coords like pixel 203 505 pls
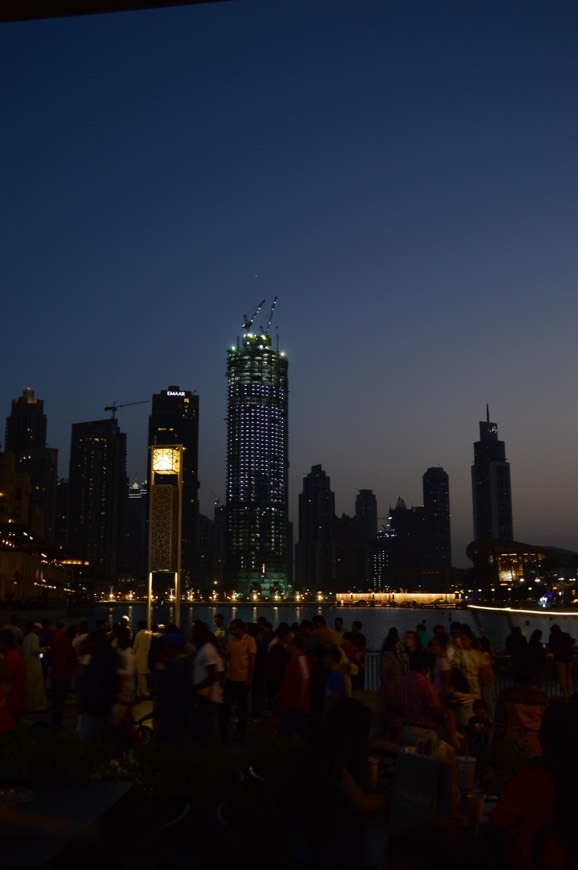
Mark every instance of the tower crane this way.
pixel 115 406
pixel 265 329
pixel 248 321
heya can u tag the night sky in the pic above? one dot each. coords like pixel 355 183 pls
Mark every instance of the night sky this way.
pixel 402 176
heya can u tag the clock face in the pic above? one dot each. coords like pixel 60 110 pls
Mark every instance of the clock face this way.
pixel 165 460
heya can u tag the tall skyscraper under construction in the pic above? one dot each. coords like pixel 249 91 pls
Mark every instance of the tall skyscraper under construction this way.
pixel 491 489
pixel 257 463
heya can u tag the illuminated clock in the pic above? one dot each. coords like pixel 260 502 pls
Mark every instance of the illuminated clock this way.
pixel 492 429
pixel 166 460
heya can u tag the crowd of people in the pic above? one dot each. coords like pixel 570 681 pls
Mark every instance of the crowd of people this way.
pixel 437 696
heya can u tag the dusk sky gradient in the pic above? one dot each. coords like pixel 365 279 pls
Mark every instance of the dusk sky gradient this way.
pixel 402 176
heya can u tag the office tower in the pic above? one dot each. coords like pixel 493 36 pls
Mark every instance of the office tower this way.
pixel 257 464
pixel 365 531
pixel 436 502
pixel 407 537
pixel 26 439
pixel 97 498
pixel 316 552
pixel 491 489
pixel 174 422
pixel 134 561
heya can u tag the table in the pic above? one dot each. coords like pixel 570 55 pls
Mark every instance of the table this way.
pixel 81 806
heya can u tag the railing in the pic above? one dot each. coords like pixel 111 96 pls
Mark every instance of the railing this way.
pixel 502 669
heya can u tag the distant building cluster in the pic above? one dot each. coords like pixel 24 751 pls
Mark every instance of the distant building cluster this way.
pixel 94 532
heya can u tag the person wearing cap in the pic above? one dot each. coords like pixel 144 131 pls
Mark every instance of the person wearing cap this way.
pixel 36 697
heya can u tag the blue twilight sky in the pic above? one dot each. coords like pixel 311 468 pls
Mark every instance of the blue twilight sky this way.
pixel 401 175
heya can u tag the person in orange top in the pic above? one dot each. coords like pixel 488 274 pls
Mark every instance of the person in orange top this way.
pixel 241 655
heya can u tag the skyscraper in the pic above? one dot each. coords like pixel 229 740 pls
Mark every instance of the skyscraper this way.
pixel 436 502
pixel 491 489
pixel 316 551
pixel 97 497
pixel 257 463
pixel 365 531
pixel 174 421
pixel 26 439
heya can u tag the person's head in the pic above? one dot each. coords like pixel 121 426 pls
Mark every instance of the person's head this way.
pixel 338 623
pixel 438 645
pixel 485 644
pixel 558 732
pixel 200 633
pixel 419 660
pixel 480 708
pixel 536 636
pixel 467 640
pixel 392 643
pixel 219 620
pixel 455 630
pixel 237 628
pixel 122 635
pixel 411 640
pixel 356 626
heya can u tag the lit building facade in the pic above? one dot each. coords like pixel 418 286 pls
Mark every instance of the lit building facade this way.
pixel 97 484
pixel 257 466
pixel 436 502
pixel 26 439
pixel 174 421
pixel 491 488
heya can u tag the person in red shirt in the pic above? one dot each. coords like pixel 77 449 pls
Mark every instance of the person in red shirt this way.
pixel 14 673
pixel 63 661
pixel 295 699
pixel 538 802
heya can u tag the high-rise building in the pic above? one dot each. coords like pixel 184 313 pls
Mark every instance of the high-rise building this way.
pixel 174 422
pixel 26 439
pixel 134 565
pixel 97 498
pixel 365 531
pixel 436 502
pixel 316 551
pixel 491 488
pixel 257 464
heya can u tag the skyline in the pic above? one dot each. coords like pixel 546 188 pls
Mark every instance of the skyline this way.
pixel 400 177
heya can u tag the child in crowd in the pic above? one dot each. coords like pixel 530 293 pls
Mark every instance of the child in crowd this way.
pixel 479 729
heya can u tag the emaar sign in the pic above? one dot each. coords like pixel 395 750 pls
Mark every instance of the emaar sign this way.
pixel 173 393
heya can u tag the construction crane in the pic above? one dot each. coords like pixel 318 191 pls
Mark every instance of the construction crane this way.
pixel 115 406
pixel 265 329
pixel 248 321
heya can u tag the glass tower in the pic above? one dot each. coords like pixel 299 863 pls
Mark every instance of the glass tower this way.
pixel 257 466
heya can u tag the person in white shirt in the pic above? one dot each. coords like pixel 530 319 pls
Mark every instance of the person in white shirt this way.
pixel 141 647
pixel 207 678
